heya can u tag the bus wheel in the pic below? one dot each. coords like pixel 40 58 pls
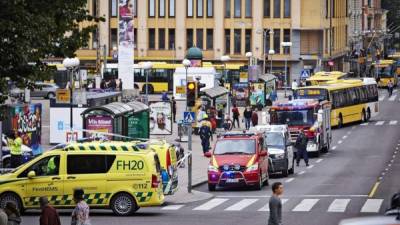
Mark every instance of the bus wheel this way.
pixel 368 114
pixel 340 124
pixel 363 116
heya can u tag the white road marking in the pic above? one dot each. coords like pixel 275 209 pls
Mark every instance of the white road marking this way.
pixel 289 180
pixel 344 137
pixel 382 98
pixel 310 166
pixel 211 204
pixel 333 148
pixel 393 122
pixel 172 207
pixel 392 98
pixel 319 160
pixel 338 205
pixel 241 204
pixel 302 172
pixel 364 124
pixel 265 208
pixel 372 206
pixel 340 142
pixel 354 127
pixel 293 196
pixel 394 91
pixel 379 123
pixel 348 132
pixel 305 205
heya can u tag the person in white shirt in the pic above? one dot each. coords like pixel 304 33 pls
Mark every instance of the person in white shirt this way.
pixel 294 87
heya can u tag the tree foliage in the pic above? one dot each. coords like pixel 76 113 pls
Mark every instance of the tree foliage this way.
pixel 393 16
pixel 31 31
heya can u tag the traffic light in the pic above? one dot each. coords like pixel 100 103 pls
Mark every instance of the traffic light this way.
pixel 199 86
pixel 191 93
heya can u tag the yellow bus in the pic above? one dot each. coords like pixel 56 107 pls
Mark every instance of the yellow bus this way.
pixel 323 77
pixel 352 100
pixel 385 70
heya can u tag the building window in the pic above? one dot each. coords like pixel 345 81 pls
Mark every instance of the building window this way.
pixel 267 41
pixel 189 38
pixel 199 38
pixel 286 38
pixel 113 8
pixel 161 8
pixel 152 8
pixel 326 40
pixel 277 8
pixel 277 41
pixel 248 8
pixel 238 8
pixel 199 8
pixel 171 39
pixel 227 8
pixel 94 7
pixel 161 39
pixel 248 40
pixel 267 8
pixel 94 39
pixel 114 38
pixel 227 41
pixel 237 40
pixel 171 8
pixel 210 8
pixel 189 8
pixel 287 8
pixel 210 39
pixel 152 38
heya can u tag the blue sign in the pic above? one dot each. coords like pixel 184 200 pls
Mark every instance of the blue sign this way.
pixel 188 117
pixel 305 74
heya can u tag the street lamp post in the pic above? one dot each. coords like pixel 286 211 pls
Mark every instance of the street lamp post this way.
pixel 186 63
pixel 286 46
pixel 224 60
pixel 271 52
pixel 264 33
pixel 147 66
pixel 249 55
pixel 70 64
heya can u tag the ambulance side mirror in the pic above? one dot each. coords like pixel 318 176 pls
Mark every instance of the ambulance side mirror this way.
pixel 31 174
pixel 320 117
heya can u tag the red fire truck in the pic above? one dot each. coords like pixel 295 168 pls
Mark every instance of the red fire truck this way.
pixel 311 115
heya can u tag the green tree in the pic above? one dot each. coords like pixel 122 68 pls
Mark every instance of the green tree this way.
pixel 31 31
pixel 393 16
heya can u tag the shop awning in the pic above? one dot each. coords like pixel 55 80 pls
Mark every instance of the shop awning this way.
pixel 267 77
pixel 118 108
pixel 215 92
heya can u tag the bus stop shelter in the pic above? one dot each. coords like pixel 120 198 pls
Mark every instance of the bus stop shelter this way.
pixel 129 119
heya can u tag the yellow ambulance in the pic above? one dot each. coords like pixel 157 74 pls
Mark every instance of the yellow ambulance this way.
pixel 115 175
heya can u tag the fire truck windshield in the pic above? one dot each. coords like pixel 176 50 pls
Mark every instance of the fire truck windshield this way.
pixel 293 118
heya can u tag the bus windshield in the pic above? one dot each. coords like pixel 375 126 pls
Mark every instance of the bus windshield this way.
pixel 293 118
pixel 385 72
pixel 320 94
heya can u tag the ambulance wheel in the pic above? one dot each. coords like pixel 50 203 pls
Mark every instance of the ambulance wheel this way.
pixel 285 172
pixel 123 204
pixel 259 185
pixel 211 187
pixel 11 197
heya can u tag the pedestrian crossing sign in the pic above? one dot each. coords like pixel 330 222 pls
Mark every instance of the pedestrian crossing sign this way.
pixel 188 117
pixel 305 74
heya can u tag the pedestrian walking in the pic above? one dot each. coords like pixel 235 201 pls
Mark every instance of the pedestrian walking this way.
pixel 80 214
pixel 49 214
pixel 164 96
pixel 14 217
pixel 247 117
pixel 235 114
pixel 294 87
pixel 275 204
pixel 205 134
pixel 174 109
pixel 254 118
pixel 301 146
pixel 120 84
pixel 15 145
pixel 3 217
pixel 390 88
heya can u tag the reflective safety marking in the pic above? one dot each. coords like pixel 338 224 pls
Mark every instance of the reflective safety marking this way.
pixel 265 208
pixel 211 204
pixel 305 205
pixel 393 122
pixel 380 123
pixel 172 207
pixel 392 98
pixel 338 205
pixel 372 206
pixel 241 205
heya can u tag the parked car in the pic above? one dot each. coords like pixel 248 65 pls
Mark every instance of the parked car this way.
pixel 45 90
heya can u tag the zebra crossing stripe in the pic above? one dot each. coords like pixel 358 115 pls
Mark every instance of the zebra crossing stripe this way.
pixel 393 122
pixel 381 98
pixel 172 207
pixel 211 204
pixel 364 124
pixel 392 98
pixel 305 205
pixel 338 205
pixel 379 123
pixel 372 206
pixel 241 205
pixel 265 208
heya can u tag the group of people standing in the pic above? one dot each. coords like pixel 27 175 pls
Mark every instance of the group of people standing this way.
pixel 250 117
pixel 113 84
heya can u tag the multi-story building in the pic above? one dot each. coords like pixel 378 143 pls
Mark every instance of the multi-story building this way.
pixel 165 29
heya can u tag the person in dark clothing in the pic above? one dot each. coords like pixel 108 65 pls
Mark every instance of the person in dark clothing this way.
pixel 164 96
pixel 174 109
pixel 275 205
pixel 113 84
pixel 103 84
pixel 247 116
pixel 236 114
pixel 254 118
pixel 390 88
pixel 301 146
pixel 120 85
pixel 205 134
pixel 49 214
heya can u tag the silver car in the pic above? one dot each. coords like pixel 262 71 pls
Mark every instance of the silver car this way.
pixel 45 90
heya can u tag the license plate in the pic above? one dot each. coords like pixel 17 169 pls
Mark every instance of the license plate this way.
pixel 232 180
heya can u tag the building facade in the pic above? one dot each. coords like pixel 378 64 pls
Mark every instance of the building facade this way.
pixel 165 29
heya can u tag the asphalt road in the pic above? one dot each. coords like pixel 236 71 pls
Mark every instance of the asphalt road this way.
pixel 336 186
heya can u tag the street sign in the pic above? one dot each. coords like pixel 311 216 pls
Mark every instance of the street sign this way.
pixel 188 117
pixel 180 89
pixel 63 96
pixel 243 77
pixel 305 74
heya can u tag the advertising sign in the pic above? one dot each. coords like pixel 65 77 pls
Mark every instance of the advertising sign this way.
pixel 60 123
pixel 126 43
pixel 240 94
pixel 160 118
pixel 257 94
pixel 63 96
pixel 244 77
pixel 138 125
pixel 100 123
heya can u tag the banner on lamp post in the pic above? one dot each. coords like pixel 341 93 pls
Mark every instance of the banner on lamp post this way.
pixel 126 44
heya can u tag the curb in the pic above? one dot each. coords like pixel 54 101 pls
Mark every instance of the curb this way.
pixel 199 184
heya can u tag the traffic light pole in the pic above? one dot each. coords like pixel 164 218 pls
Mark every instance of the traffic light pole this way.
pixel 189 187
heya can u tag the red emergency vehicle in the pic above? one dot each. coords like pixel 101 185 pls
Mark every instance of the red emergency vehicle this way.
pixel 310 115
